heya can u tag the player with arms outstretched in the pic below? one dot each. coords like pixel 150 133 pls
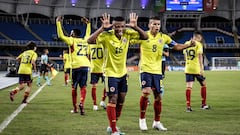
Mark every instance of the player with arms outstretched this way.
pixel 27 62
pixel 151 70
pixel 194 69
pixel 116 43
pixel 80 62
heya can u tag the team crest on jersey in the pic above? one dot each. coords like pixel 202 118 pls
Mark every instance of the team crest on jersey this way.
pixel 124 40
pixel 160 41
pixel 112 89
pixel 143 82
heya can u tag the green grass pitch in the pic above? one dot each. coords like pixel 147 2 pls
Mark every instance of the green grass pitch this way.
pixel 49 112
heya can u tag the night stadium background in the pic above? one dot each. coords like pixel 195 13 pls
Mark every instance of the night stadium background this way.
pixel 49 113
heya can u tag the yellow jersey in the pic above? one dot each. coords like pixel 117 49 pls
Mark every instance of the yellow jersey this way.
pixel 192 65
pixel 26 62
pixel 96 57
pixel 116 51
pixel 151 51
pixel 78 46
pixel 66 60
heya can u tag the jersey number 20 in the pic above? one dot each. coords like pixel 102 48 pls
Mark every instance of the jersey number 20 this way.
pixel 97 53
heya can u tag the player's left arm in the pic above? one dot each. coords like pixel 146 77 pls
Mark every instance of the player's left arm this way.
pixel 180 47
pixel 88 29
pixel 133 25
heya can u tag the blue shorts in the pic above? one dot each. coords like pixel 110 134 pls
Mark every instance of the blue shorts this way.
pixel 191 78
pixel 95 78
pixel 116 85
pixel 151 80
pixel 23 78
pixel 79 77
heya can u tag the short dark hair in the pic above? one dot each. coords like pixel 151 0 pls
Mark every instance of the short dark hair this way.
pixel 31 45
pixel 118 18
pixel 154 18
pixel 77 32
pixel 197 33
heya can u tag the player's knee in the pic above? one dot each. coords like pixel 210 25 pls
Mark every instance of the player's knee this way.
pixel 145 94
pixel 203 83
pixel 94 85
pixel 157 96
pixel 113 98
pixel 146 91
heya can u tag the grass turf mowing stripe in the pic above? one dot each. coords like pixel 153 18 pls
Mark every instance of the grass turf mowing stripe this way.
pixel 7 121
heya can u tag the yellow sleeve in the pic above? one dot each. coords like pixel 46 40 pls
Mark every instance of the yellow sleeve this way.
pixel 61 35
pixel 101 38
pixel 35 56
pixel 19 56
pixel 88 31
pixel 135 41
pixel 134 34
pixel 168 39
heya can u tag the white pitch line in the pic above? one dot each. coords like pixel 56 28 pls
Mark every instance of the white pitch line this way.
pixel 7 121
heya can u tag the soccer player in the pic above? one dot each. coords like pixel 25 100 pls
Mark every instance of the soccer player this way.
pixel 80 62
pixel 97 60
pixel 151 70
pixel 67 66
pixel 44 68
pixel 194 69
pixel 27 62
pixel 116 43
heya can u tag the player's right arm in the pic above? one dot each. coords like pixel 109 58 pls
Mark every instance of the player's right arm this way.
pixel 105 24
pixel 19 57
pixel 60 33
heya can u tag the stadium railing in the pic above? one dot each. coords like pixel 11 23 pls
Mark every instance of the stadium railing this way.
pixel 4 42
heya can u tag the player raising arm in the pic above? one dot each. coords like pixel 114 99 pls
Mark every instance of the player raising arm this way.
pixel 194 69
pixel 80 63
pixel 115 43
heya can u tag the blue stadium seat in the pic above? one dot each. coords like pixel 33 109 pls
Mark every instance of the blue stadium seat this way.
pixel 45 31
pixel 16 31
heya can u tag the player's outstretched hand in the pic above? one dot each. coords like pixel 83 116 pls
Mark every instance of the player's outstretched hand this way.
pixel 106 21
pixel 59 18
pixel 85 20
pixel 133 20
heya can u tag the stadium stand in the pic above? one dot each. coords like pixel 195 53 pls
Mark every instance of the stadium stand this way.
pixel 217 28
pixel 15 31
